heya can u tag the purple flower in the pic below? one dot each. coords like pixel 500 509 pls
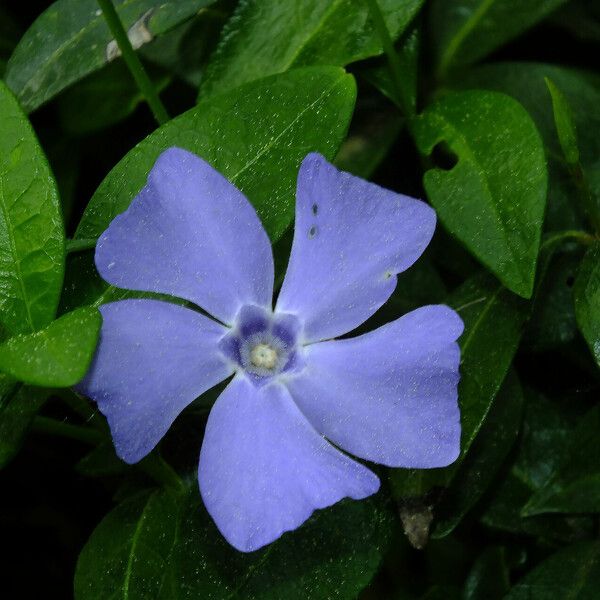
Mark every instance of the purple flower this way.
pixel 268 459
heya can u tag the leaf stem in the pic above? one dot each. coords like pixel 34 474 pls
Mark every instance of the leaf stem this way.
pixel 580 236
pixel 80 245
pixel 133 62
pixel 388 46
pixel 64 429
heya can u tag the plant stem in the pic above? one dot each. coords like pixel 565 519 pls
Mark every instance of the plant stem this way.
pixel 63 429
pixel 80 245
pixel 133 62
pixel 580 236
pixel 392 56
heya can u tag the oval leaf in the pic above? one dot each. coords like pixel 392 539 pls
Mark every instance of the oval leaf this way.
pixel 493 198
pixel 162 545
pixel 262 37
pixel 57 356
pixel 256 136
pixel 71 39
pixel 32 247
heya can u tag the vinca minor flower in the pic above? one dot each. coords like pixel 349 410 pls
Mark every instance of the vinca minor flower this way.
pixel 275 441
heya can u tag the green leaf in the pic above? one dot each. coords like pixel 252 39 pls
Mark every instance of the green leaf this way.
pixel 587 299
pixel 573 573
pixel 32 247
pixel 18 406
pixel 57 356
pixel 565 127
pixel 575 486
pixel 493 198
pixel 256 136
pixel 525 82
pixel 159 545
pixel 467 30
pixel 478 470
pixel 265 37
pixel 489 579
pixel 70 39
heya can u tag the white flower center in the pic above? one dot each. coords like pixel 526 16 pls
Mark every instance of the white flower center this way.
pixel 263 356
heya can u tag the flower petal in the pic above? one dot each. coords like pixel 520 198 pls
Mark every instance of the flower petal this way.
pixel 264 469
pixel 351 238
pixel 153 359
pixel 390 395
pixel 192 234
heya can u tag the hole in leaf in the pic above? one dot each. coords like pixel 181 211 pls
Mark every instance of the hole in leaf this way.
pixel 443 157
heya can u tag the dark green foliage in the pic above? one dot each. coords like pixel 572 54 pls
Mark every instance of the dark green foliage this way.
pixel 491 114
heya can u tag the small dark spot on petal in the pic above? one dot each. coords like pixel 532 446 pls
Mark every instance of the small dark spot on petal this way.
pixel 315 209
pixel 312 232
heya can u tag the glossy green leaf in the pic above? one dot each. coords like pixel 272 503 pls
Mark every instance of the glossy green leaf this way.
pixel 160 545
pixel 256 136
pixel 575 485
pixel 565 127
pixel 70 39
pixel 32 248
pixel 18 405
pixel 265 37
pixel 57 356
pixel 467 30
pixel 587 299
pixel 491 446
pixel 493 198
pixel 573 573
pixel 525 82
